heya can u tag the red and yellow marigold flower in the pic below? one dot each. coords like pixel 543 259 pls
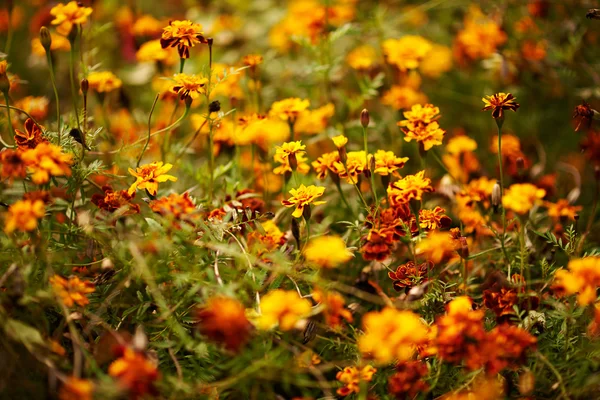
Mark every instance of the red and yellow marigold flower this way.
pixel 498 103
pixel 283 309
pixel 135 373
pixel 421 125
pixel 387 163
pixel 223 320
pixel 23 216
pixel 72 291
pixel 183 35
pixel 112 201
pixel 302 197
pixel 327 252
pixel 188 86
pixel 408 188
pixel 31 137
pixel 47 160
pixel 521 197
pixel 291 157
pixel 351 378
pixel 148 177
pixel 76 389
pixel 408 380
pixel 581 277
pixel 104 82
pixel 68 15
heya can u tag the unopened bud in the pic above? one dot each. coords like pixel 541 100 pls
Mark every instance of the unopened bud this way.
pixel 287 176
pixel 306 213
pixel 367 173
pixel 296 230
pixel 364 118
pixel 85 86
pixel 188 101
pixel 209 41
pixel 385 181
pixel 463 250
pixel 45 38
pixel 293 161
pixel 496 195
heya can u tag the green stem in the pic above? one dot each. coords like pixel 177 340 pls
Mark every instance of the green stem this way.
pixel 181 65
pixel 292 133
pixel 12 130
pixel 502 238
pixel 373 189
pixel 73 87
pixel 149 129
pixel 210 125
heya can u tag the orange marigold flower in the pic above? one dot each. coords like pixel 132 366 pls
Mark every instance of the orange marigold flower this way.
pixel 31 137
pixel 460 159
pixel 582 277
pixel 351 378
pixel 289 109
pixel 188 86
pixel 183 35
pixel 112 201
pixel 223 320
pixel 386 163
pixel 400 97
pixel 521 197
pixel 68 15
pixel 72 291
pixel 135 373
pixel 407 52
pixel 282 308
pixel 12 164
pixel 47 160
pixel 147 25
pixel 265 242
pixel 562 209
pixel 593 329
pixel 291 157
pixel 176 206
pixel 76 389
pixel 408 380
pixel 409 275
pixel 252 60
pixel 431 219
pixel 23 215
pixel 37 107
pixel 498 103
pixel 436 247
pixel 356 164
pixel 480 37
pixel 508 346
pixel 314 121
pixel 148 177
pixel 391 334
pixel 303 197
pixel 362 58
pixel 327 252
pixel 334 309
pixel 410 187
pixel 421 125
pixel 326 163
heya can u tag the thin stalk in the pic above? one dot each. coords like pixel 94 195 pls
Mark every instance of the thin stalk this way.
pixel 73 87
pixel 149 129
pixel 56 98
pixel 9 31
pixel 369 167
pixel 181 65
pixel 339 188
pixel 210 124
pixel 502 238
pixel 291 123
pixel 12 130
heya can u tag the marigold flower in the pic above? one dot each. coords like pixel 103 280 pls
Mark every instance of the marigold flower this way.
pixel 31 137
pixel 593 329
pixel 176 206
pixel 12 164
pixel 282 308
pixel 72 291
pixel 266 242
pixel 67 15
pixel 351 378
pixel 521 197
pixel 59 43
pixel 386 163
pixel 460 159
pixel 436 247
pixel 498 103
pixel 188 86
pixel 432 219
pixel 147 25
pixel 183 35
pixel 153 51
pixel 409 275
pixel 401 97
pixel 334 309
pixel 135 373
pixel 23 215
pixel 362 58
pixel 303 197
pixel 312 122
pixel 485 387
pixel 289 109
pixel 391 334
pixel 327 252
pixel 223 320
pixel 252 60
pixel 582 277
pixel 583 115
pixel 148 177
pixel 76 389
pixel 356 164
pixel 408 188
pixel 562 209
pixel 480 37
pixel 437 62
pixel 421 125
pixel 508 346
pixel 326 163
pixel 37 107
pixel 104 82
pixel 47 160
pixel 408 380
pixel 261 130
pixel 340 141
pixel 112 201
pixel 407 52
pixel 291 156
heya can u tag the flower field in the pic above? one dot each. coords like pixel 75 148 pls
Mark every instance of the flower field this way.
pixel 303 199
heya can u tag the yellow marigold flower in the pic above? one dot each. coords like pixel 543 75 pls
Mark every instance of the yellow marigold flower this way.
pixel 391 335
pixel 289 109
pixel 282 308
pixel 65 16
pixel 436 247
pixel 562 209
pixel 147 25
pixel 72 291
pixel 410 187
pixel 191 86
pixel 420 114
pixel 303 197
pixel 521 197
pixel 582 277
pixel 326 163
pixel 76 389
pixel 351 378
pixel 252 60
pixel 406 52
pixel 362 58
pixel 183 35
pixel 148 177
pixel 437 62
pixel 262 131
pixel 314 121
pixel 386 163
pixel 356 164
pixel 291 157
pixel 104 82
pixel 152 51
pixel 327 252
pixel 23 215
pixel 460 144
pixel 421 125
pixel 340 141
pixel 400 97
pixel 37 107
pixel 59 43
pixel 498 103
pixel 47 160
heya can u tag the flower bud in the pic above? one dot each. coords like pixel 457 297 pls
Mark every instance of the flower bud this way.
pixel 343 155
pixel 463 249
pixel 85 86
pixel 45 38
pixel 306 213
pixel 293 161
pixel 4 81
pixel 296 230
pixel 367 173
pixel 209 41
pixel 364 118
pixel 385 181
pixel 496 195
pixel 188 101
